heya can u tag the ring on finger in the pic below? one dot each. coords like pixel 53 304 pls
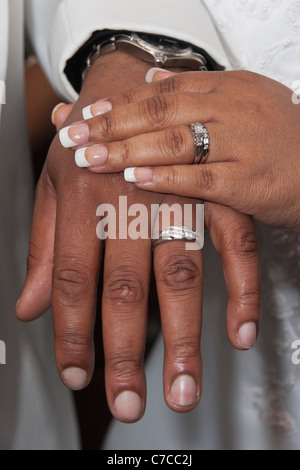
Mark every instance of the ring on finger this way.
pixel 201 141
pixel 169 234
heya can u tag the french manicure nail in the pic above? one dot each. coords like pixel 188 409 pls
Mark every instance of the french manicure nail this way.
pixel 80 158
pixel 86 157
pixel 96 109
pixel 138 175
pixel 128 406
pixel 74 378
pixel 55 111
pixel 150 74
pixel 247 335
pixel 184 391
pixel 72 136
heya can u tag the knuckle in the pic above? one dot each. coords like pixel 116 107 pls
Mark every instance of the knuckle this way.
pixel 174 142
pixel 184 349
pixel 72 281
pixel 127 97
pixel 124 286
pixel 205 178
pixel 171 179
pixel 168 86
pixel 124 365
pixel 157 109
pixel 73 341
pixel 179 272
pixel 124 152
pixel 242 242
pixel 106 126
pixel 250 298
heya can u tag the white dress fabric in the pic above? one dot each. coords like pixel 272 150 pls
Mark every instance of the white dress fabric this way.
pixel 250 400
pixel 36 410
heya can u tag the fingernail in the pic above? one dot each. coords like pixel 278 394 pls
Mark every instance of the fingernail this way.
pixel 247 335
pixel 128 406
pixel 86 157
pixel 72 136
pixel 55 111
pixel 184 391
pixel 96 109
pixel 74 378
pixel 138 175
pixel 150 74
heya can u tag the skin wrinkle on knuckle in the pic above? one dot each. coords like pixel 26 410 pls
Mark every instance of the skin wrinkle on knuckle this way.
pixel 170 179
pixel 127 97
pixel 124 152
pixel 124 286
pixel 173 143
pixel 205 178
pixel 72 281
pixel 179 273
pixel 167 86
pixel 104 127
pixel 182 350
pixel 124 365
pixel 242 242
pixel 249 298
pixel 72 340
pixel 157 110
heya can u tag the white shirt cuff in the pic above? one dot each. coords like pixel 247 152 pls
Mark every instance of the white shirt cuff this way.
pixel 76 21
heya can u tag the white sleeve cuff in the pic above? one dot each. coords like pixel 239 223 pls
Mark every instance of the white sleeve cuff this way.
pixel 77 20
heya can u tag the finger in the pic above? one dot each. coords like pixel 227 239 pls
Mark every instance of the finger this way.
pixel 159 82
pixel 172 146
pixel 221 183
pixel 75 277
pixel 60 114
pixel 153 114
pixel 179 276
pixel 156 74
pixel 178 268
pixel 233 235
pixel 36 295
pixel 124 316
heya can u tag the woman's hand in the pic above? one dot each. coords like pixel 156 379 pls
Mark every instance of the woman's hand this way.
pixel 253 163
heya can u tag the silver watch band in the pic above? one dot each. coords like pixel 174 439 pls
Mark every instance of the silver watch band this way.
pixel 156 55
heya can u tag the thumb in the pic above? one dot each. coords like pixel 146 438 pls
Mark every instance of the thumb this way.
pixel 60 113
pixel 156 74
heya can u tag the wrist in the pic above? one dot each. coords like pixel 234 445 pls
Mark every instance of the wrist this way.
pixel 115 72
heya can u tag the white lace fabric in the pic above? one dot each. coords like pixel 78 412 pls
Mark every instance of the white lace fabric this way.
pixel 261 35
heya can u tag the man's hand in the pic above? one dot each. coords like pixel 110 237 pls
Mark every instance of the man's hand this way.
pixel 63 269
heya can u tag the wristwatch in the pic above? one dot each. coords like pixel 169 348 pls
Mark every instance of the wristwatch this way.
pixel 158 51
